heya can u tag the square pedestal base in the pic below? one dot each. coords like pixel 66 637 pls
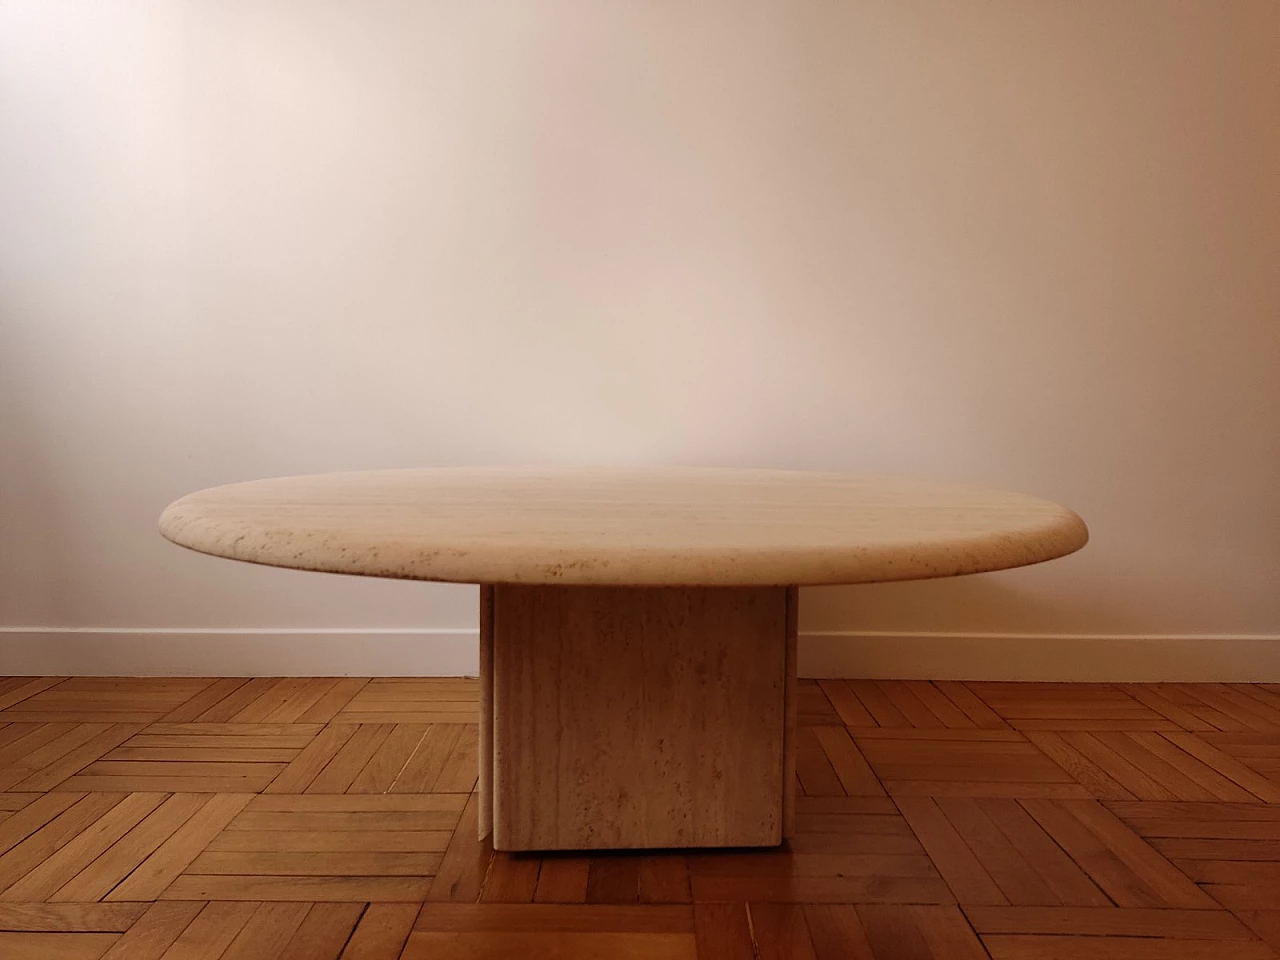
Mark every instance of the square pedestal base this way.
pixel 636 717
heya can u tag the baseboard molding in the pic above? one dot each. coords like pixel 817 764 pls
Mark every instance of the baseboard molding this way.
pixel 238 653
pixel 1041 657
pixel 48 651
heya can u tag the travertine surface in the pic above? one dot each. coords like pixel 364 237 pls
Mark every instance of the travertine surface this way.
pixel 692 527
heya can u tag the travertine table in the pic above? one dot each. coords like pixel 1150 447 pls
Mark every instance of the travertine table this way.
pixel 637 628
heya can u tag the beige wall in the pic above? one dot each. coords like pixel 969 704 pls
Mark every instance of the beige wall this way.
pixel 1031 245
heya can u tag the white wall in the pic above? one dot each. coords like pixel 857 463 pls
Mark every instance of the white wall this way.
pixel 1031 245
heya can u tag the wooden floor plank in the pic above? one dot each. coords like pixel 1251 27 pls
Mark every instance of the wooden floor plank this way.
pixel 1265 873
pixel 1004 862
pixel 176 784
pixel 1242 896
pixel 56 946
pixel 164 865
pixel 381 932
pixel 44 744
pixel 383 768
pixel 723 930
pixel 190 886
pixel 1246 710
pixel 307 765
pixel 346 764
pixel 262 709
pixel 306 698
pixel 1016 947
pixel 225 710
pixel 1176 772
pixel 460 877
pixel 24 689
pixel 813 706
pixel 205 699
pixel 941 705
pixel 211 932
pixel 214 737
pixel 268 932
pixel 53 836
pixel 663 878
pixel 972 705
pixel 425 768
pixel 780 932
pixel 324 932
pixel 61 867
pixel 838 889
pixel 563 879
pixel 963 872
pixel 1167 708
pixel 1179 694
pixel 462 764
pixel 613 879
pixel 851 768
pixel 782 866
pixel 961 760
pixel 346 820
pixel 1265 924
pixel 425 803
pixel 1106 921
pixel 331 841
pixel 901 695
pixel 310 863
pixel 1209 829
pixel 577 918
pixel 850 806
pixel 18 739
pixel 846 704
pixel 987 788
pixel 1116 859
pixel 1070 885
pixel 1228 766
pixel 511 878
pixel 338 696
pixel 424 689
pixel 881 708
pixel 1120 768
pixel 1257 692
pixel 201 728
pixel 813 767
pixel 33 816
pixel 417 714
pixel 1204 812
pixel 424 945
pixel 70 917
pixel 836 932
pixel 926 932
pixel 155 932
pixel 1215 784
pixel 1092 724
pixel 1240 851
pixel 59 772
pixel 203 754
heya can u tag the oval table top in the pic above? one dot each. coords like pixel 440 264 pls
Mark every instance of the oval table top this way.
pixel 677 527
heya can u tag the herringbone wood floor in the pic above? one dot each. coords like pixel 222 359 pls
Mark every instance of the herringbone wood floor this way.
pixel 312 819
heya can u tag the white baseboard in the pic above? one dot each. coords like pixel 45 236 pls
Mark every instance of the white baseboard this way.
pixel 238 653
pixel 1041 657
pixel 47 651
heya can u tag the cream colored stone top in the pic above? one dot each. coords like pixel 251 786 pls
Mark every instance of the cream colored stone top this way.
pixel 692 527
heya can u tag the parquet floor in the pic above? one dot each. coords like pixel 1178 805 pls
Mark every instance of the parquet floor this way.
pixel 317 819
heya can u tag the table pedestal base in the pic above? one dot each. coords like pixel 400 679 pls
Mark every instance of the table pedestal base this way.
pixel 636 717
